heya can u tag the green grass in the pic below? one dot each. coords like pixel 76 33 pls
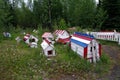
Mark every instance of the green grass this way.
pixel 20 62
pixel 103 66
pixel 106 42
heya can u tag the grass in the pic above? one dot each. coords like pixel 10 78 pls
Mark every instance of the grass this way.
pixel 106 42
pixel 20 62
pixel 103 66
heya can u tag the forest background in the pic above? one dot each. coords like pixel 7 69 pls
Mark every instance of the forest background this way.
pixel 62 14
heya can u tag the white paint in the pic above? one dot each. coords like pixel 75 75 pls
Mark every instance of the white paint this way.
pixel 27 41
pixel 48 47
pixel 81 40
pixel 92 55
pixel 18 39
pixel 33 45
pixel 33 37
pixel 6 34
pixel 89 53
pixel 119 39
pixel 44 45
pixel 48 35
pixel 78 49
pixel 64 35
pixel 111 36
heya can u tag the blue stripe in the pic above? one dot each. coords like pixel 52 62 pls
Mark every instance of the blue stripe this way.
pixel 84 34
pixel 79 43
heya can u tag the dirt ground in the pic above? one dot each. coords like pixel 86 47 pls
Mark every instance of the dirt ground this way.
pixel 114 53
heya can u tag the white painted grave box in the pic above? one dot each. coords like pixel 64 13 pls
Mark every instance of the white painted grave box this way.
pixel 48 35
pixel 86 46
pixel 62 36
pixel 48 48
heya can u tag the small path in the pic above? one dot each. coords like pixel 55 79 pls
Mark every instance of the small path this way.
pixel 114 53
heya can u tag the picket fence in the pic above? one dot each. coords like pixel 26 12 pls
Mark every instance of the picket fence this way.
pixel 111 36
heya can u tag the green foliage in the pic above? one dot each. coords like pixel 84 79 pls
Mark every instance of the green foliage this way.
pixel 25 17
pixel 7 16
pixel 1 37
pixel 105 59
pixel 82 15
pixel 62 24
pixel 55 26
pixel 62 13
pixel 104 65
pixel 47 12
pixel 100 18
pixel 106 42
pixel 70 61
pixel 113 10
pixel 40 29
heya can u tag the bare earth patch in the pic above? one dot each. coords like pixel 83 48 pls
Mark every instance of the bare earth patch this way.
pixel 114 53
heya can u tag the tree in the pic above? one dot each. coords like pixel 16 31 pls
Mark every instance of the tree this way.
pixel 81 12
pixel 47 12
pixel 40 11
pixel 6 17
pixel 100 18
pixel 25 17
pixel 1 12
pixel 113 10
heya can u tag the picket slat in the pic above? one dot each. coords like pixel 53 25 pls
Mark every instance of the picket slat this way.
pixel 111 36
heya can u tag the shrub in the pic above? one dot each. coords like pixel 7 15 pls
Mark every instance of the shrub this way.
pixel 62 24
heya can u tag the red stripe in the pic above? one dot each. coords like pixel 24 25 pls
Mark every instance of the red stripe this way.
pixel 55 32
pixel 90 58
pixel 83 37
pixel 59 32
pixel 63 31
pixel 99 49
pixel 64 41
pixel 47 41
pixel 85 52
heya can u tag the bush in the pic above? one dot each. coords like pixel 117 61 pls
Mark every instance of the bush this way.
pixel 62 24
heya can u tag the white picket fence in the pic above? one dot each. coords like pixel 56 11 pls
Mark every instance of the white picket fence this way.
pixel 111 36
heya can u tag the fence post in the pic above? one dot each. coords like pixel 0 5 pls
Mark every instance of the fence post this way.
pixel 119 39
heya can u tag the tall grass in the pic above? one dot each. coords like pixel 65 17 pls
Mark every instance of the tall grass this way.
pixel 104 65
pixel 106 42
pixel 70 60
pixel 20 62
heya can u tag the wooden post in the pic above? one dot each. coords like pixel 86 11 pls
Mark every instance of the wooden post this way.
pixel 119 39
pixel 93 52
